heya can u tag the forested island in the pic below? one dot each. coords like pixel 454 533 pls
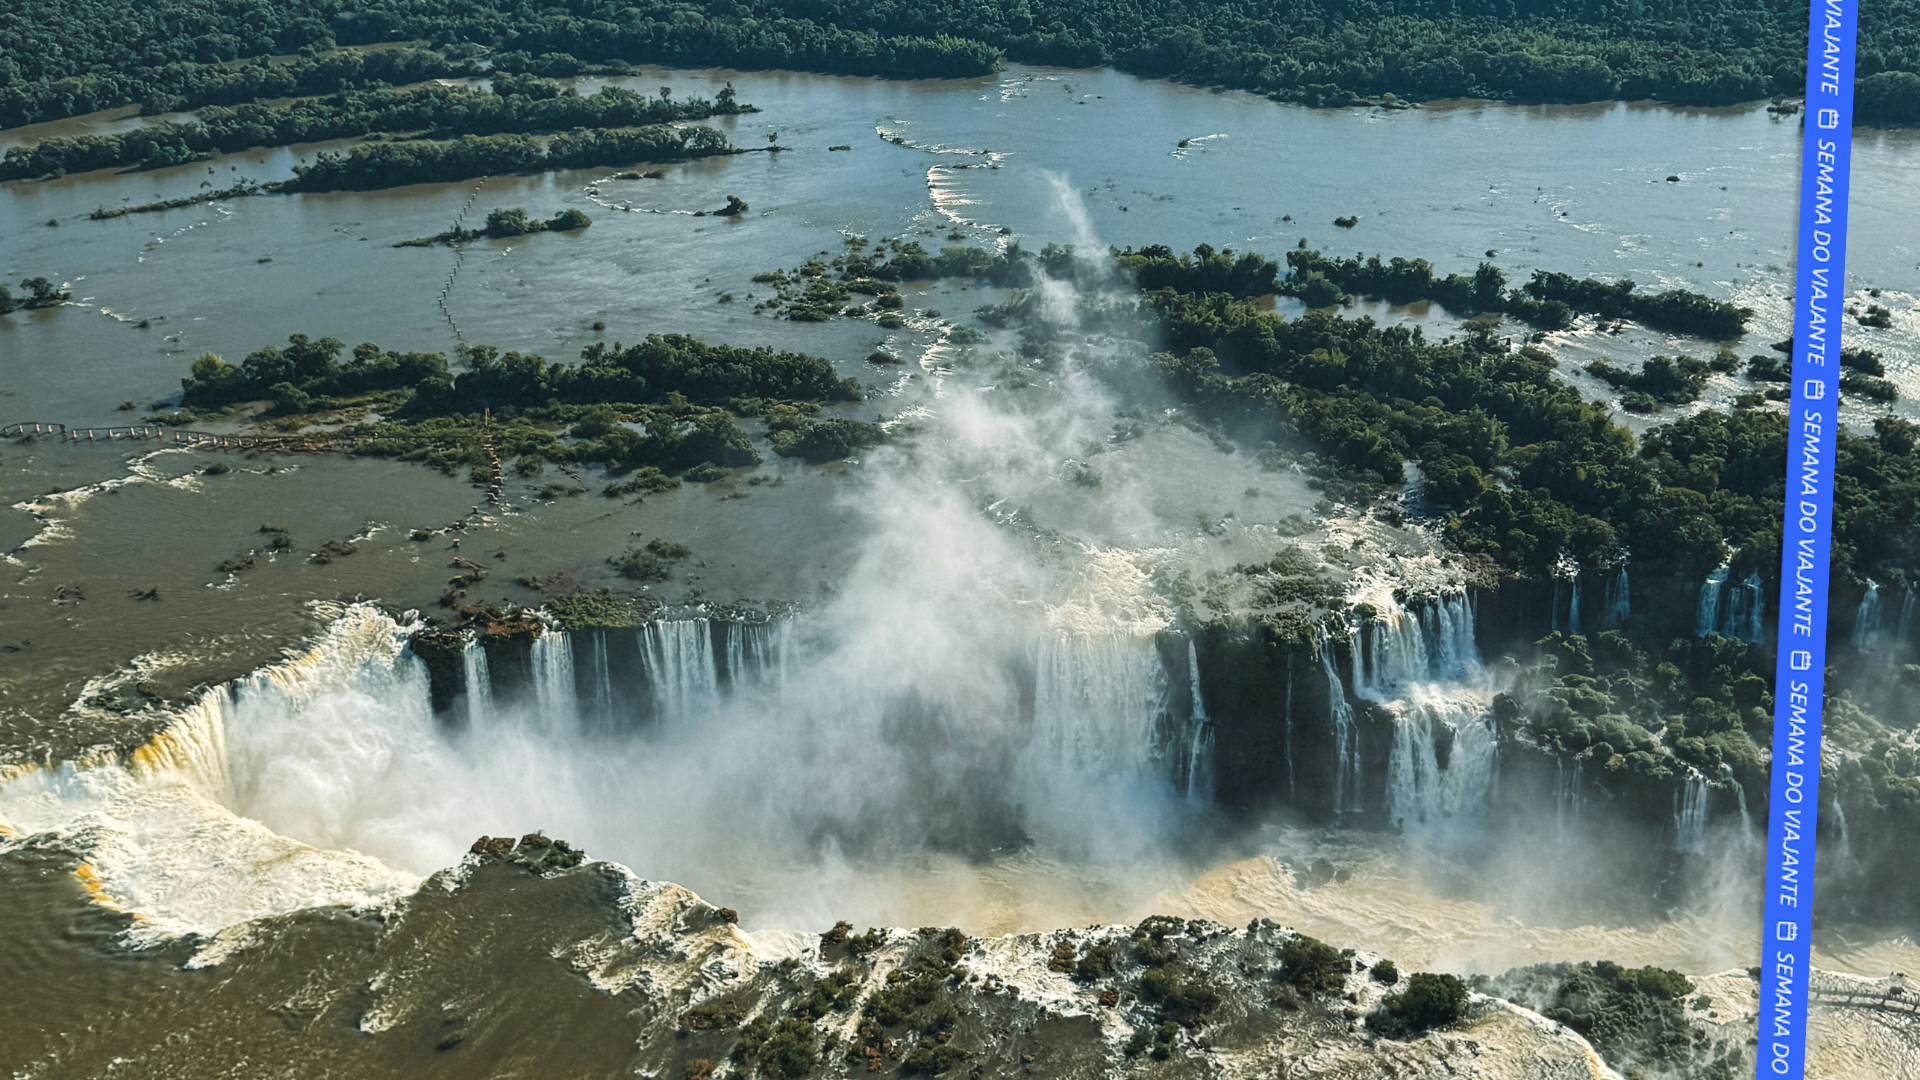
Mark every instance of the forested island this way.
pixel 40 293
pixel 371 166
pixel 66 57
pixel 523 105
pixel 684 397
pixel 503 224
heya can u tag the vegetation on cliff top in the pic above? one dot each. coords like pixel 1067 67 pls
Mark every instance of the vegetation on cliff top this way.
pixel 1635 1017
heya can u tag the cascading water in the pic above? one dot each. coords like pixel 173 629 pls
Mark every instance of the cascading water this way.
pixel 1619 603
pixel 1706 617
pixel 676 656
pixel 1736 612
pixel 1200 736
pixel 1098 702
pixel 1346 738
pixel 1569 795
pixel 1423 667
pixel 479 685
pixel 1866 619
pixel 1749 838
pixel 553 680
pixel 1292 788
pixel 1840 822
pixel 1745 607
pixel 1690 806
pixel 758 654
pixel 1905 625
pixel 600 674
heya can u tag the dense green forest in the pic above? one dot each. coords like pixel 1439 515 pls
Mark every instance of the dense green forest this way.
pixel 1520 470
pixel 63 57
pixel 668 404
pixel 371 166
pixel 517 104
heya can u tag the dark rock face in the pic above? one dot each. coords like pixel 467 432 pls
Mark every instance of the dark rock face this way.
pixel 444 654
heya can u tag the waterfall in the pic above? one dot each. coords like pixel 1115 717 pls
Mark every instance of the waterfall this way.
pixel 1200 765
pixel 1906 614
pixel 1750 839
pixel 1397 649
pixel 1419 791
pixel 1840 821
pixel 1293 798
pixel 1569 795
pixel 1738 612
pixel 602 675
pixel 676 656
pixel 1200 735
pixel 1866 620
pixel 1346 738
pixel 1706 618
pixel 758 654
pixel 479 685
pixel 1745 607
pixel 1619 604
pixel 1690 804
pixel 553 687
pixel 1098 702
pixel 1566 579
pixel 1422 666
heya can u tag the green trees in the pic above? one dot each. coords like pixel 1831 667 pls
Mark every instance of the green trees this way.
pixel 1313 966
pixel 680 394
pixel 518 105
pixel 1428 1002
pixel 67 57
pixel 371 166
pixel 41 293
pixel 1548 300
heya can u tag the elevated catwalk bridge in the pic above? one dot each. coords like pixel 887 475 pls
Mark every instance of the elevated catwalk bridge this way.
pixel 170 436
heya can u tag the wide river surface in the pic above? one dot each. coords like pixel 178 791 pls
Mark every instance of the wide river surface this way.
pixel 1585 190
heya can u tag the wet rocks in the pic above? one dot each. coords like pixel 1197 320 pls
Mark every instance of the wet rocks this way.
pixel 535 852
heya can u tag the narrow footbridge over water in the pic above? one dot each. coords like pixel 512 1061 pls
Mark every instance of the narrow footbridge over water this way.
pixel 169 436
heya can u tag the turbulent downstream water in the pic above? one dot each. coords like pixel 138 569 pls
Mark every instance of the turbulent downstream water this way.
pixel 966 689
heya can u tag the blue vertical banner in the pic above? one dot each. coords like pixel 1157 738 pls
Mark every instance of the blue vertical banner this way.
pixel 1812 432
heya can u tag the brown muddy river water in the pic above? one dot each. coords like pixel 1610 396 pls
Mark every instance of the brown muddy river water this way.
pixel 966 570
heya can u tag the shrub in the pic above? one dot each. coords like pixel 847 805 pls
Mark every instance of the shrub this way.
pixel 1181 993
pixel 932 1060
pixel 787 1050
pixel 1313 966
pixel 1428 1002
